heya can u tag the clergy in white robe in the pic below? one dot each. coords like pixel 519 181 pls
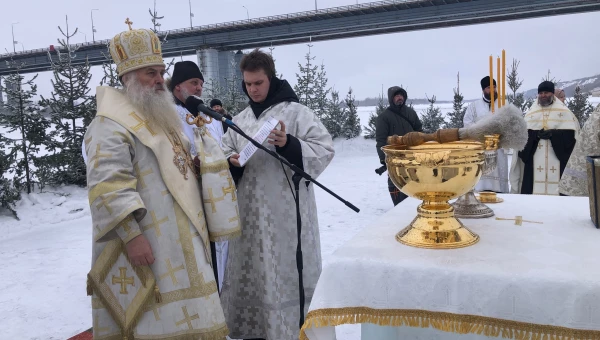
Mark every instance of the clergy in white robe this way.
pixel 152 220
pixel 497 180
pixel 260 293
pixel 574 181
pixel 552 130
pixel 188 80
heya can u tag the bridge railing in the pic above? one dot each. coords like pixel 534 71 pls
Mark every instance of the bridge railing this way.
pixel 304 14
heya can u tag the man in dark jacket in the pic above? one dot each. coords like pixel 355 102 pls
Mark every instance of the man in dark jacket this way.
pixel 217 105
pixel 397 119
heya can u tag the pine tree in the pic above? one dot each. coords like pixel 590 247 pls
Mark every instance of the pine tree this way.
pixel 457 115
pixel 432 118
pixel 335 117
pixel 580 105
pixel 306 80
pixel 155 18
pixel 351 127
pixel 321 92
pixel 234 100
pixel 514 84
pixel 25 118
pixel 9 194
pixel 72 110
pixel 371 128
pixel 111 76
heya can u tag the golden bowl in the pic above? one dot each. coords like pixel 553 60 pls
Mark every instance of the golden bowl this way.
pixel 436 173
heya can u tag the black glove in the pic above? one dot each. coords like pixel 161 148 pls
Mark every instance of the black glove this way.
pixel 545 134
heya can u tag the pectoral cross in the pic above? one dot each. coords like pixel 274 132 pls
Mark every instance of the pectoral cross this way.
pixel 187 318
pixel 518 220
pixel 123 280
pixel 171 272
pixel 129 23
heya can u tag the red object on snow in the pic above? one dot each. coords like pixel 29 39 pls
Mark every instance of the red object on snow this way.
pixel 87 335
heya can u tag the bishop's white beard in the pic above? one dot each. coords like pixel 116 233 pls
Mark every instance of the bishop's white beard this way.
pixel 157 107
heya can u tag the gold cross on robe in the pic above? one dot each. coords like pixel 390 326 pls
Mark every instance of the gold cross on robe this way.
pixel 187 319
pixel 230 189
pixel 141 124
pixel 212 200
pixel 105 202
pixel 140 174
pixel 123 280
pixel 155 224
pixel 98 155
pixel 171 272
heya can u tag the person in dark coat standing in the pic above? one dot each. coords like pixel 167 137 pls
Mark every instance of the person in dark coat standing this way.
pixel 217 105
pixel 397 119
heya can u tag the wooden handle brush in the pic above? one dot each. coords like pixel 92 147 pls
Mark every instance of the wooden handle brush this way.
pixel 508 122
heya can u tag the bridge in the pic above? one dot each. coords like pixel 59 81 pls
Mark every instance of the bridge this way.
pixel 217 41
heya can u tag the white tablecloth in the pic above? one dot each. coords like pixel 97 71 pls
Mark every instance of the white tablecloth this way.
pixel 517 281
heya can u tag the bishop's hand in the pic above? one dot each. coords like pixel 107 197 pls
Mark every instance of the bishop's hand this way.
pixel 139 251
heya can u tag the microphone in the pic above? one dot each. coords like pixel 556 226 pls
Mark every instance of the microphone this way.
pixel 194 105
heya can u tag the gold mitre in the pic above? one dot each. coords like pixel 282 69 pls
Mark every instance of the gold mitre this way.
pixel 135 49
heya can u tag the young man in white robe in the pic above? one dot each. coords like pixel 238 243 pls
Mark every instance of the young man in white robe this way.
pixel 151 275
pixel 552 130
pixel 260 292
pixel 187 80
pixel 496 181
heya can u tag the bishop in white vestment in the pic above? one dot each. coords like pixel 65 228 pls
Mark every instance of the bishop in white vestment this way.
pixel 152 220
pixel 552 129
pixel 497 180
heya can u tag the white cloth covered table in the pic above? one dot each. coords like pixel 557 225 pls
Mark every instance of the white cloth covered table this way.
pixel 517 282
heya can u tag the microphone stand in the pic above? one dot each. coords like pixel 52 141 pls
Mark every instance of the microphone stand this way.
pixel 296 178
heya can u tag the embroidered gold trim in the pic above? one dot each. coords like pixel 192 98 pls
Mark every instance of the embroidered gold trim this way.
pixel 103 188
pixel 116 221
pixel 125 319
pixel 446 322
pixel 225 236
pixel 214 167
pixel 218 332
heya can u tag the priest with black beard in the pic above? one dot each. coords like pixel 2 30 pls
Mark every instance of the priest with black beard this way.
pixel 552 130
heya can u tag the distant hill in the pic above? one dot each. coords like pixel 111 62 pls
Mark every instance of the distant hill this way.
pixel 587 84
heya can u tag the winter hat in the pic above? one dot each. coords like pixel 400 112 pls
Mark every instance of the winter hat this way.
pixel 485 82
pixel 184 70
pixel 546 86
pixel 215 102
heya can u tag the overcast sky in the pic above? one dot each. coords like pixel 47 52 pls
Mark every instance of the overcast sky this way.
pixel 425 62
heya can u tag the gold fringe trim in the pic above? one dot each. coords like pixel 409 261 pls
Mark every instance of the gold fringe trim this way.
pixel 226 237
pixel 214 167
pixel 213 333
pixel 157 295
pixel 446 322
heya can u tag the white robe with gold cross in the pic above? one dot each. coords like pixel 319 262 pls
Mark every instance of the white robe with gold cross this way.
pixel 546 165
pixel 135 187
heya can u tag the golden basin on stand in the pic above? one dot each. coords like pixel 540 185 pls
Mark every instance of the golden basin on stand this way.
pixel 436 173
